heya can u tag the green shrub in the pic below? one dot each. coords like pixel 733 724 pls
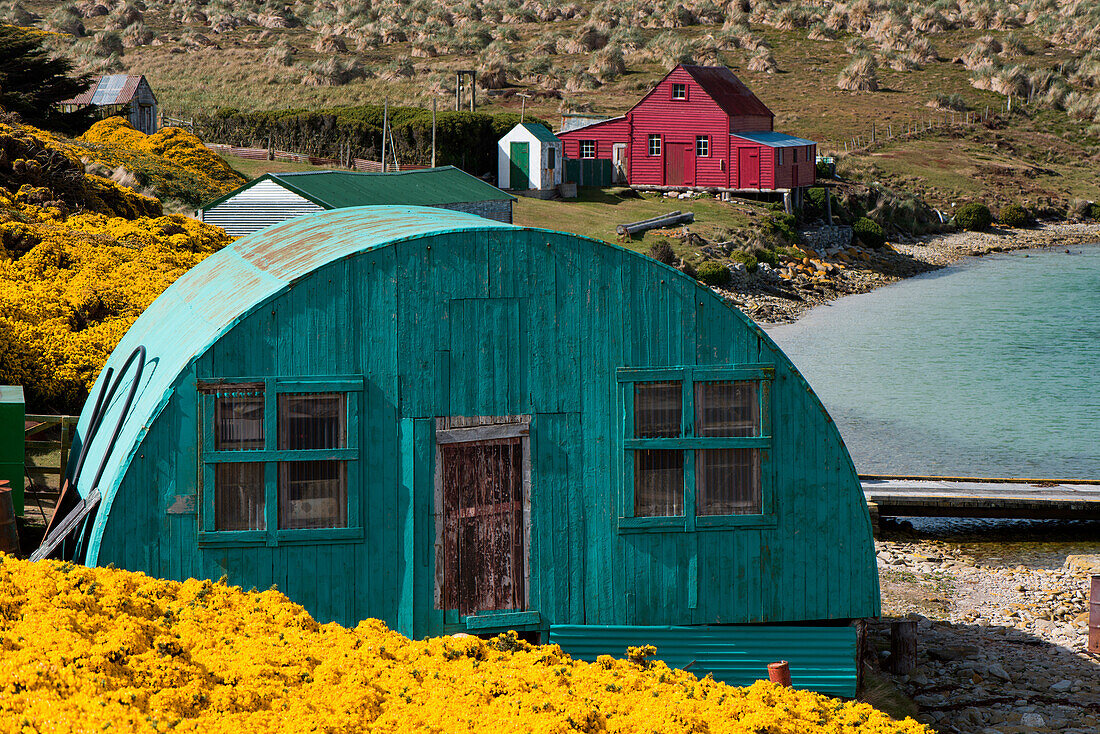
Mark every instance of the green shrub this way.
pixel 662 252
pixel 746 259
pixel 826 170
pixel 767 256
pixel 1014 215
pixel 974 217
pixel 780 225
pixel 869 233
pixel 713 273
pixel 1094 211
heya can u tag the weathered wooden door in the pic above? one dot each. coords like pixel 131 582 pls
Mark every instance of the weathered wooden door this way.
pixel 618 163
pixel 748 168
pixel 519 170
pixel 675 155
pixel 484 564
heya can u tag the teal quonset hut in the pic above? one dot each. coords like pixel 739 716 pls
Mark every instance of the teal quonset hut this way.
pixel 454 424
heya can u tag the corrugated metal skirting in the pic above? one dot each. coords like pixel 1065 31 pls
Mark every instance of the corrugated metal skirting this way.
pixel 822 659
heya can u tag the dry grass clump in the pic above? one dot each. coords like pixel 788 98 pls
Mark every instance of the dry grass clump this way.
pixel 330 44
pixel 281 54
pixel 66 19
pixel 589 38
pixel 580 80
pixel 948 103
pixel 137 35
pixel 821 32
pixel 1013 45
pixel 334 72
pixel 493 74
pixel 859 76
pixel 762 60
pixel 607 64
pixel 670 49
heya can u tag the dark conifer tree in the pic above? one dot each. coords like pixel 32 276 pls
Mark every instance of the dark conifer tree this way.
pixel 32 82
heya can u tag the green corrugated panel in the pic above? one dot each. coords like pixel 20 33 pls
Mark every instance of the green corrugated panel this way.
pixel 12 436
pixel 821 659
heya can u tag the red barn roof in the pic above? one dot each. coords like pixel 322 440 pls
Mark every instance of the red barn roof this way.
pixel 727 90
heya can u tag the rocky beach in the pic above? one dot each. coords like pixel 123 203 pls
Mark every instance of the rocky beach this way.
pixel 1002 625
pixel 768 297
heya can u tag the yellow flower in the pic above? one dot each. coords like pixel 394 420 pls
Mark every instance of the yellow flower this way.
pixel 89 649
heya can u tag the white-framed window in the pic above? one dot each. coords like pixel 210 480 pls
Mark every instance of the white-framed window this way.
pixel 588 149
pixel 679 91
pixel 278 459
pixel 695 441
pixel 702 146
pixel 655 145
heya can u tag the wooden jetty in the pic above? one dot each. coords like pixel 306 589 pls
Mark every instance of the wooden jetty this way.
pixel 915 496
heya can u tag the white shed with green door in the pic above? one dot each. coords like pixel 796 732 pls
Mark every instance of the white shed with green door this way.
pixel 529 157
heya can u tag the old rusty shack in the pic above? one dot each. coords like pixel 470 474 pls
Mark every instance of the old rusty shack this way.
pixel 455 424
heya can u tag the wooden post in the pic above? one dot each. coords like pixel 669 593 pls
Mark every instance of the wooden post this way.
pixel 473 89
pixel 458 91
pixel 385 128
pixel 829 205
pixel 903 646
pixel 433 132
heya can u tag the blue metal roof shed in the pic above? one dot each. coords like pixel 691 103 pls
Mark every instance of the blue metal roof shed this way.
pixel 453 424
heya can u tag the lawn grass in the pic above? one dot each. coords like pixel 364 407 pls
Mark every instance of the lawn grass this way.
pixel 251 169
pixel 596 212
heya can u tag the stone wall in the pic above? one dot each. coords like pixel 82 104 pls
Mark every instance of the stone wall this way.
pixel 827 238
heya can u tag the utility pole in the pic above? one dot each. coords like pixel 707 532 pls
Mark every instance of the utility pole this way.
pixel 385 128
pixel 433 132
pixel 523 105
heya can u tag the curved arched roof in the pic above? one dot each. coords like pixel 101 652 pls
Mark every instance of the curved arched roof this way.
pixel 196 310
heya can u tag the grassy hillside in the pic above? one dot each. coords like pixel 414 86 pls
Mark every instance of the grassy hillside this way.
pixel 912 60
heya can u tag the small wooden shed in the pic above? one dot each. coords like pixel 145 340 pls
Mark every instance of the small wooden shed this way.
pixel 120 94
pixel 454 424
pixel 529 157
pixel 276 197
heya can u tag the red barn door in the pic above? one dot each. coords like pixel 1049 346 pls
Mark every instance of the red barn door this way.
pixel 748 168
pixel 678 164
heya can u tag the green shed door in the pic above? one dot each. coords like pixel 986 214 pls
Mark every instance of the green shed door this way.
pixel 519 173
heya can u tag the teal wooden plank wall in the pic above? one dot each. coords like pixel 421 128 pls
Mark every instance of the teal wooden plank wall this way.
pixel 511 322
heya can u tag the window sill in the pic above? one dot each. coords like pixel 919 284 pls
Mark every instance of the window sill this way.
pixel 312 536
pixel 703 523
pixel 502 620
pixel 652 524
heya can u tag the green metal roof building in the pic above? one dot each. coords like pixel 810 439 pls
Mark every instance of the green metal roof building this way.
pixel 453 424
pixel 276 197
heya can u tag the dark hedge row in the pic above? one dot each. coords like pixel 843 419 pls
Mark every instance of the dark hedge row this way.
pixel 464 139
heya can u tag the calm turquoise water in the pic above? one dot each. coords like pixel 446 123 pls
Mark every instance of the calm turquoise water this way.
pixel 987 368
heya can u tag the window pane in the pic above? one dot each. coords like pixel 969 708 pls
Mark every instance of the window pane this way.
pixel 657 407
pixel 727 409
pixel 313 494
pixel 313 421
pixel 239 496
pixel 239 421
pixel 658 483
pixel 727 482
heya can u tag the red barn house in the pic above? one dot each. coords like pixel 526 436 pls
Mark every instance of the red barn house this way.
pixel 699 128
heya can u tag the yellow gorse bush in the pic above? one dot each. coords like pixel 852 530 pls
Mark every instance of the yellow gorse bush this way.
pixel 93 649
pixel 80 258
pixel 171 143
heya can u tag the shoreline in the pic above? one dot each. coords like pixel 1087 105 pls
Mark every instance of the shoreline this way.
pixel 1002 625
pixel 769 300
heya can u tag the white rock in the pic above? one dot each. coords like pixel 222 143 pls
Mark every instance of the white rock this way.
pixel 1032 719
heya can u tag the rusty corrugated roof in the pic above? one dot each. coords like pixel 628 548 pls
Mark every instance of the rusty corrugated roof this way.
pixel 727 90
pixel 109 89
